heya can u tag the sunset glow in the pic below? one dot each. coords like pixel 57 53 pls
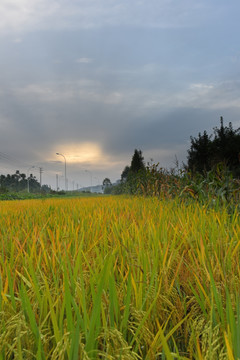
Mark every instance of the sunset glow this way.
pixel 81 153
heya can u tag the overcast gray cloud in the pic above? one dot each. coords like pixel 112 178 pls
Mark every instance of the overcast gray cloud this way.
pixel 96 79
pixel 68 14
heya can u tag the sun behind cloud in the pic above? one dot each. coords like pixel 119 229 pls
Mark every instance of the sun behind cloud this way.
pixel 81 153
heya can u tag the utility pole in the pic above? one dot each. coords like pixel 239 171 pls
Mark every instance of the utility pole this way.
pixel 57 181
pixel 41 171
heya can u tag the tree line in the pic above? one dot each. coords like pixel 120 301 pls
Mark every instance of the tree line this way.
pixel 213 162
pixel 20 182
pixel 223 146
pixel 207 153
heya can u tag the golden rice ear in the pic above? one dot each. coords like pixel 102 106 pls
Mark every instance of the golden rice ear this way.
pixel 117 347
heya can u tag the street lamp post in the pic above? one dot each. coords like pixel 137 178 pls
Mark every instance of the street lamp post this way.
pixel 31 167
pixel 65 169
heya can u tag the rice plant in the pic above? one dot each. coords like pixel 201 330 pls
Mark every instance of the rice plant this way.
pixel 118 278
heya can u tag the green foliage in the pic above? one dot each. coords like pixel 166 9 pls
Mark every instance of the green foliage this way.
pixel 107 182
pixel 125 173
pixel 42 195
pixel 19 182
pixel 131 175
pixel 204 180
pixel 137 163
pixel 107 186
pixel 215 187
pixel 208 151
pixel 20 196
pixel 198 155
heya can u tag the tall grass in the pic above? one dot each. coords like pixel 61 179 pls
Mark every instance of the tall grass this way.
pixel 118 278
pixel 216 187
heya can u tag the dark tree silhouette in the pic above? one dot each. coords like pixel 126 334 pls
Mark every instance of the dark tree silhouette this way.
pixel 125 173
pixel 137 162
pixel 18 182
pixel 107 186
pixel 198 155
pixel 106 182
pixel 205 152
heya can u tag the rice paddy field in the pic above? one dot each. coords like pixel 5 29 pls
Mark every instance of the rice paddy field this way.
pixel 118 278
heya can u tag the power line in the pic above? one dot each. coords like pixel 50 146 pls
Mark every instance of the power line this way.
pixel 12 159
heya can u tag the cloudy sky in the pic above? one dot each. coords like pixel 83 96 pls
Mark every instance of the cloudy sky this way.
pixel 95 79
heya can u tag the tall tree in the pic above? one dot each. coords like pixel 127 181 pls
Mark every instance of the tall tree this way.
pixel 198 155
pixel 106 182
pixel 137 162
pixel 107 186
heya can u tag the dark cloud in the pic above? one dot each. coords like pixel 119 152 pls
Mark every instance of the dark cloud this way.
pixel 99 81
